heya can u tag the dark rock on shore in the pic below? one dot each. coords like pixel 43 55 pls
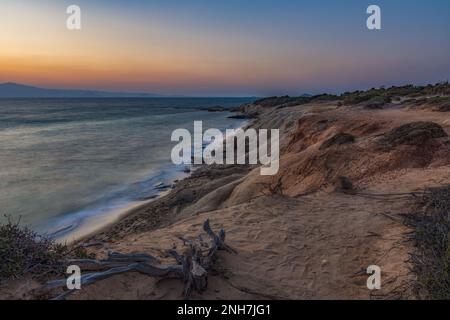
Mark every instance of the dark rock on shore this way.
pixel 216 109
pixel 162 186
pixel 243 116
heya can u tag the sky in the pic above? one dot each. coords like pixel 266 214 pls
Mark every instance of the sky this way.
pixel 224 48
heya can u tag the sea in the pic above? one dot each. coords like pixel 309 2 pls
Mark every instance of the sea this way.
pixel 71 166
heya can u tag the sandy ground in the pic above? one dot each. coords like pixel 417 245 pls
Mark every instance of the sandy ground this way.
pixel 309 240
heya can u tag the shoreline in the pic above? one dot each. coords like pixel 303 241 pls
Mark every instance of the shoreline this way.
pixel 132 209
pixel 124 213
pixel 94 222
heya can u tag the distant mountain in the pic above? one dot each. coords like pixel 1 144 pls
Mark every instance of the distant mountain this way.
pixel 15 90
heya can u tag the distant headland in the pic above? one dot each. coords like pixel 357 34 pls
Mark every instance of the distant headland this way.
pixel 16 90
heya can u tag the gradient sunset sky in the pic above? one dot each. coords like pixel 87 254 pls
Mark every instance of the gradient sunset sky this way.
pixel 224 48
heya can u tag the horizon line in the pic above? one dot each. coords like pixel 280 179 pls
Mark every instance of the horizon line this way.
pixel 160 95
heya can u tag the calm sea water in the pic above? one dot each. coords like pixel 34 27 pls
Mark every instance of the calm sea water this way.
pixel 71 164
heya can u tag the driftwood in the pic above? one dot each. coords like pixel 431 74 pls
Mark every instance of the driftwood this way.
pixel 191 267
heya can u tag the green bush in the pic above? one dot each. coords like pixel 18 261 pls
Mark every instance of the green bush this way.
pixel 372 96
pixel 24 252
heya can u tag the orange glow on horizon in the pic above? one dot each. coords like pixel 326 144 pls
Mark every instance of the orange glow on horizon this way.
pixel 164 48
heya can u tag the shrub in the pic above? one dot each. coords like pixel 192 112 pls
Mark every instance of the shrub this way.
pixel 325 97
pixel 413 133
pixel 432 240
pixel 24 252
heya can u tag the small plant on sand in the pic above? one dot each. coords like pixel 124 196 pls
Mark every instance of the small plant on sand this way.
pixel 24 252
pixel 432 239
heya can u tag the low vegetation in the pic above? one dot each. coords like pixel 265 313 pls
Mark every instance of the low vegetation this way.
pixel 372 98
pixel 414 133
pixel 25 253
pixel 432 239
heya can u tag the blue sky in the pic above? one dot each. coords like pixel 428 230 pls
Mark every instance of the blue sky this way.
pixel 233 47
